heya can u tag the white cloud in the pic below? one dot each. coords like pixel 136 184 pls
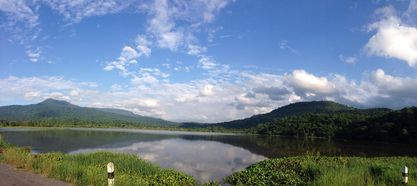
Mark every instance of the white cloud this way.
pixel 19 11
pixel 162 25
pixel 143 45
pixel 76 10
pixel 31 95
pixel 58 95
pixel 207 90
pixel 196 50
pixel 33 55
pixel 22 22
pixel 174 23
pixel 411 12
pixel 207 63
pixel 214 100
pixel 349 60
pixel 212 7
pixel 144 79
pixel 393 87
pixel 127 57
pixel 393 38
pixel 303 81
pixel 39 88
pixel 164 31
pixel 129 54
pixel 285 46
pixel 211 33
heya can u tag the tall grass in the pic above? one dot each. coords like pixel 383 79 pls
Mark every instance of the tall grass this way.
pixel 327 171
pixel 312 170
pixel 90 169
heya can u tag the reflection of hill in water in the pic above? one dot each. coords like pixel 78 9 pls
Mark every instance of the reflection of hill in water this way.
pixel 273 146
pixel 71 140
pixel 66 140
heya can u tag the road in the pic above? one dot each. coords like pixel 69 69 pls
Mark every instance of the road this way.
pixel 12 176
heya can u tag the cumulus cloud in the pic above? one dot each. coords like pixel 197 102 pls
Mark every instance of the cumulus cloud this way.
pixel 391 91
pixel 226 94
pixel 309 84
pixel 39 88
pixel 172 25
pixel 207 90
pixel 215 100
pixel 393 37
pixel 187 159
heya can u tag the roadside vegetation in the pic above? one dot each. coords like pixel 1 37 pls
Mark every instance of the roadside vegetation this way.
pixel 90 169
pixel 327 171
pixel 309 170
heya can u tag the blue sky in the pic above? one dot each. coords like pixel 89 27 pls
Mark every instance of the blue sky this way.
pixel 208 60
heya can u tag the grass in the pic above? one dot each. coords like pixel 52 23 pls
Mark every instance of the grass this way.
pixel 326 171
pixel 90 169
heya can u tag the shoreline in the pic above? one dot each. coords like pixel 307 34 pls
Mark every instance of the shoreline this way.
pixel 156 130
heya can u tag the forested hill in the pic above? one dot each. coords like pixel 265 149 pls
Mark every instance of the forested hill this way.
pixel 285 111
pixel 326 119
pixel 61 111
pixel 375 124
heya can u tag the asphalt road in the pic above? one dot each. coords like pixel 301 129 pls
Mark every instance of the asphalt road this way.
pixel 12 176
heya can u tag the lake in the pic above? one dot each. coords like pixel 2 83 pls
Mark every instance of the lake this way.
pixel 206 156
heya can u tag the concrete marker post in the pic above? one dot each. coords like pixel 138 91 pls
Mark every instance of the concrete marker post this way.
pixel 110 173
pixel 405 175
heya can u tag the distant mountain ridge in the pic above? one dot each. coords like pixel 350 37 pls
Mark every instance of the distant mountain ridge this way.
pixel 62 110
pixel 312 107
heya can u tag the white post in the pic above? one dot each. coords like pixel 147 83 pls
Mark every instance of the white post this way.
pixel 110 173
pixel 405 175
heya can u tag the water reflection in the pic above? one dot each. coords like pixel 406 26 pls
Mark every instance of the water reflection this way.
pixel 205 156
pixel 205 160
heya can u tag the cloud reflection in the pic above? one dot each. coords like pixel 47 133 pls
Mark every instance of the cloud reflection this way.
pixel 205 160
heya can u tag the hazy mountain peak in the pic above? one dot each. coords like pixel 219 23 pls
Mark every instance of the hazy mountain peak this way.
pixel 62 111
pixel 51 101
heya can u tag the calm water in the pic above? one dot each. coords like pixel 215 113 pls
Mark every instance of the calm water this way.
pixel 206 156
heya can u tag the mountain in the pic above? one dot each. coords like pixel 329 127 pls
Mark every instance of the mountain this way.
pixel 330 120
pixel 288 110
pixel 313 107
pixel 62 110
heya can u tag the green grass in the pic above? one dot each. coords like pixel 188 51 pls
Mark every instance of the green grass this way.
pixel 90 169
pixel 323 171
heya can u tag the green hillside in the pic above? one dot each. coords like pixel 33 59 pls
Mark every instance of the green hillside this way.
pixel 285 111
pixel 57 110
pixel 325 119
pixel 369 124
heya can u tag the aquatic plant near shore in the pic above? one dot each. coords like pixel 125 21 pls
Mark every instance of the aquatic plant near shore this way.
pixel 90 169
pixel 323 171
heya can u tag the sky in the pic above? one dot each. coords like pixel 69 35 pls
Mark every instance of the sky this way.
pixel 208 60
